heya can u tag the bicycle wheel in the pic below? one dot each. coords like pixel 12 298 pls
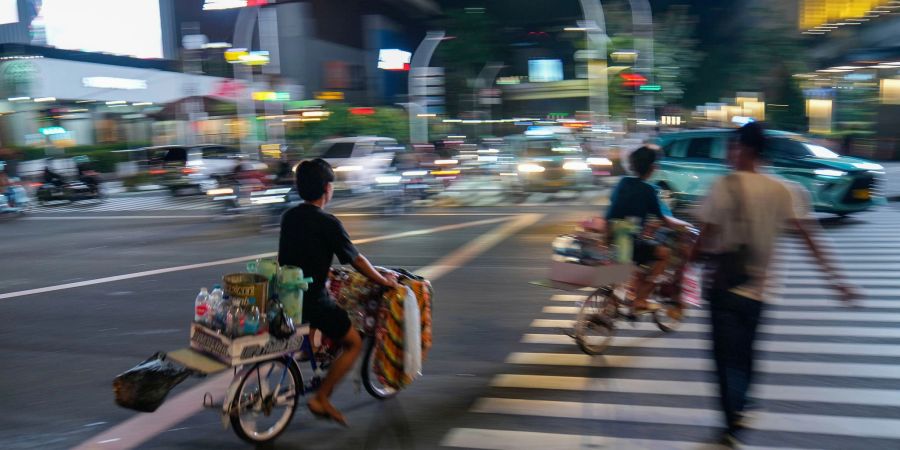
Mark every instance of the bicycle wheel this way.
pixel 669 316
pixel 266 400
pixel 595 322
pixel 370 380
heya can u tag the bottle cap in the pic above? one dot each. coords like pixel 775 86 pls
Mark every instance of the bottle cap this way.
pixel 251 300
pixel 217 286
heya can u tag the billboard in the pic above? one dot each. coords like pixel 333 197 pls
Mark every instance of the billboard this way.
pixel 544 70
pixel 120 27
pixel 9 11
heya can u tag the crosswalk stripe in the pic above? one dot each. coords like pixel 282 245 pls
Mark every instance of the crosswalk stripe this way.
pixel 821 291
pixel 859 370
pixel 772 346
pixel 485 439
pixel 794 330
pixel 768 421
pixel 869 397
pixel 847 316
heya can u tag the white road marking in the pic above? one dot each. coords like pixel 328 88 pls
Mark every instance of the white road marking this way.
pixel 846 316
pixel 795 330
pixel 855 396
pixel 141 428
pixel 824 369
pixel 239 259
pixel 528 440
pixel 797 423
pixel 774 346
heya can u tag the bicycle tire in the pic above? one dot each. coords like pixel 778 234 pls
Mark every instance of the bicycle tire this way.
pixel 236 423
pixel 595 314
pixel 663 316
pixel 369 379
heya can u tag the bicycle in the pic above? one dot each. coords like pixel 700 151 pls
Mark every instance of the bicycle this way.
pixel 263 396
pixel 595 321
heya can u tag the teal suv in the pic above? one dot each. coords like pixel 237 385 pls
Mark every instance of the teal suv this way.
pixel 837 184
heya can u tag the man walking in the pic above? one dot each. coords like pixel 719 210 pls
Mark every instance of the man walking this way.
pixel 741 219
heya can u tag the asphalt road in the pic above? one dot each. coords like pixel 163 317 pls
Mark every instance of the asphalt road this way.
pixel 493 379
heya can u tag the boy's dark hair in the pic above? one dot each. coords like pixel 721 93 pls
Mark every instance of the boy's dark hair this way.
pixel 641 160
pixel 312 177
pixel 753 136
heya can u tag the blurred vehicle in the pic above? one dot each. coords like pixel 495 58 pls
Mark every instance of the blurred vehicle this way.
pixel 56 187
pixel 549 159
pixel 192 170
pixel 358 161
pixel 837 184
pixel 14 199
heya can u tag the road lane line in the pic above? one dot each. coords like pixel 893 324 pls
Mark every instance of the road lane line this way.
pixel 811 368
pixel 794 330
pixel 772 346
pixel 855 396
pixel 221 262
pixel 141 428
pixel 485 439
pixel 767 421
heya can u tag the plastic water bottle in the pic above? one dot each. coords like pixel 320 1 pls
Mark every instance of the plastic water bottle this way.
pixel 240 321
pixel 232 321
pixel 251 320
pixel 201 307
pixel 217 308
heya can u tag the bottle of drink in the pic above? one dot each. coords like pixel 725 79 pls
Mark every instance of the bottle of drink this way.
pixel 231 321
pixel 216 308
pixel 240 320
pixel 251 320
pixel 201 307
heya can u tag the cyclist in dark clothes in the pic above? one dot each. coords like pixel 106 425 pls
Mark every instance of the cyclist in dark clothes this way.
pixel 635 197
pixel 310 238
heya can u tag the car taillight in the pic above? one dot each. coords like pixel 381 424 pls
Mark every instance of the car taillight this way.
pixel 188 170
pixel 157 171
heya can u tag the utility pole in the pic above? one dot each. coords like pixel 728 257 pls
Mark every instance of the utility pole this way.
pixel 642 20
pixel 418 68
pixel 595 24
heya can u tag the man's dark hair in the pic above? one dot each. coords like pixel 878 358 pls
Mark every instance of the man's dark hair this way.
pixel 312 178
pixel 641 160
pixel 753 136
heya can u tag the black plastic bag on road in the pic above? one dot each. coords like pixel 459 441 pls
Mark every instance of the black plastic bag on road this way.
pixel 144 387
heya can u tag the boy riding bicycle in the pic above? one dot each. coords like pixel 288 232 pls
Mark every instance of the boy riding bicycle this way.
pixel 310 239
pixel 635 197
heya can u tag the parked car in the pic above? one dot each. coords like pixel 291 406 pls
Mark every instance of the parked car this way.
pixel 358 161
pixel 549 160
pixel 837 184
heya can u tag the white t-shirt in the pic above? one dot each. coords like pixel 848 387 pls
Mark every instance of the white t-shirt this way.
pixel 768 204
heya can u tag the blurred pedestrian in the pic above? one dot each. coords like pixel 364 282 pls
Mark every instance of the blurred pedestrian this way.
pixel 741 218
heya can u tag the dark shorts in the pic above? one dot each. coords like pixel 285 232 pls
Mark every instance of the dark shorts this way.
pixel 325 315
pixel 644 251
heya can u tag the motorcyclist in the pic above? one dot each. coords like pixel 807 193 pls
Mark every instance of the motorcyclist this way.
pixel 51 177
pixel 87 175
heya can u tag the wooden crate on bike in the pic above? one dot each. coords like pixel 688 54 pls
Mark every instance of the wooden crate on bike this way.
pixel 245 349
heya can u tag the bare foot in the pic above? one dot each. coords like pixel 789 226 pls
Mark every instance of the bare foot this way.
pixel 323 409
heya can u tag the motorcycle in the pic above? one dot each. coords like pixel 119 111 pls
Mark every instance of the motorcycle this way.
pixel 261 204
pixel 69 191
pixel 15 201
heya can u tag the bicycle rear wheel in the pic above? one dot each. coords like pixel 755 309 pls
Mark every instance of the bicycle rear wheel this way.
pixel 370 380
pixel 595 322
pixel 266 400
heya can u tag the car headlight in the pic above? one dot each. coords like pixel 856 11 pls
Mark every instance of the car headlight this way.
pixel 347 168
pixel 445 162
pixel 868 166
pixel 388 179
pixel 599 162
pixel 829 173
pixel 531 168
pixel 415 173
pixel 576 165
pixel 220 191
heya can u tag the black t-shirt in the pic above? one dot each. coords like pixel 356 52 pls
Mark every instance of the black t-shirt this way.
pixel 634 197
pixel 310 238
